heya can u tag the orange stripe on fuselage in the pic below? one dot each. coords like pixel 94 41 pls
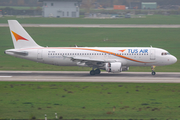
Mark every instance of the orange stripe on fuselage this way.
pixel 110 53
pixel 92 50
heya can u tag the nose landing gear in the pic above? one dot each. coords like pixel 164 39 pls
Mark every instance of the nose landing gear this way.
pixel 153 68
pixel 93 72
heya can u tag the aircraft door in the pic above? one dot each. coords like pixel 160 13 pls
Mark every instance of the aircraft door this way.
pixel 39 54
pixel 152 54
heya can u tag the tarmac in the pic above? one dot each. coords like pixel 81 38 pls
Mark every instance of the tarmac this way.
pixel 98 25
pixel 84 76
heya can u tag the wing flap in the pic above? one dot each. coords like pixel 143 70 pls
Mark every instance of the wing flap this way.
pixel 87 59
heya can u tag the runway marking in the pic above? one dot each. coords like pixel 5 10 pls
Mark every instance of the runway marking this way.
pixel 5 76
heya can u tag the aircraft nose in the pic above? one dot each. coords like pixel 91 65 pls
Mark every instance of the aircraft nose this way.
pixel 174 59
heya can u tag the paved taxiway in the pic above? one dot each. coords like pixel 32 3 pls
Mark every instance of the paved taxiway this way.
pixel 97 25
pixel 71 76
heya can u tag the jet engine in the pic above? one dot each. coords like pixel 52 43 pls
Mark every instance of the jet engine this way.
pixel 113 67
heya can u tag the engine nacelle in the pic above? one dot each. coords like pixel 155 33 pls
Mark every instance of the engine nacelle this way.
pixel 113 67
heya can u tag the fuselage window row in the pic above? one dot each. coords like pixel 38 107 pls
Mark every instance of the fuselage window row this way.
pixel 92 54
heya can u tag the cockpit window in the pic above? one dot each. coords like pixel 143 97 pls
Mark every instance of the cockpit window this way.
pixel 165 53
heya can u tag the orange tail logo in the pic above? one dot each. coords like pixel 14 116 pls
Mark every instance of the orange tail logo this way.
pixel 18 37
pixel 122 50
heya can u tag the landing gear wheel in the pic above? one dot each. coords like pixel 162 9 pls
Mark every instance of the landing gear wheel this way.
pixel 153 68
pixel 92 72
pixel 153 73
pixel 97 71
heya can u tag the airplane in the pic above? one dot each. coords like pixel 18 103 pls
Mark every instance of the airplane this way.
pixel 111 59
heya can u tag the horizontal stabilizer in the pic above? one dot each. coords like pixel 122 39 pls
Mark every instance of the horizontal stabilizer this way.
pixel 13 51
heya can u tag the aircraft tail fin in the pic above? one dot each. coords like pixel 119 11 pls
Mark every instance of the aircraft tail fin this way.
pixel 21 39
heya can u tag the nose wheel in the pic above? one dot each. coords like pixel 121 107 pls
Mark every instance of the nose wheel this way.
pixel 153 68
pixel 93 72
pixel 153 73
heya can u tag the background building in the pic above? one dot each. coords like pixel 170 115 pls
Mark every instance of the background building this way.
pixel 149 5
pixel 60 8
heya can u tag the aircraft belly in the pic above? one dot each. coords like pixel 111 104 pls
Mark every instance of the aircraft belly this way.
pixel 59 61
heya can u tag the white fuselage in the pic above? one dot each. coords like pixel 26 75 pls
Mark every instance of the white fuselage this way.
pixel 127 56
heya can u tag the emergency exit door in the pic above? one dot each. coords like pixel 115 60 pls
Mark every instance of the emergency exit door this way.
pixel 39 54
pixel 152 54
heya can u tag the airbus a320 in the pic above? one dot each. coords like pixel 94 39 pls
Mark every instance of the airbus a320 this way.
pixel 111 59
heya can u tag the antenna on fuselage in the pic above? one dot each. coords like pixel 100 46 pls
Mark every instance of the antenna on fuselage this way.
pixel 75 45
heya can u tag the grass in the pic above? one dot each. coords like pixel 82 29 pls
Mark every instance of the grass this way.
pixel 150 19
pixel 24 100
pixel 59 37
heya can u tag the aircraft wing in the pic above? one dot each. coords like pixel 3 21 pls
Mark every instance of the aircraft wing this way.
pixel 86 61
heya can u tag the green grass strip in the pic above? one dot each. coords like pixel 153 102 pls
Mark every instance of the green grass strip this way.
pixel 25 100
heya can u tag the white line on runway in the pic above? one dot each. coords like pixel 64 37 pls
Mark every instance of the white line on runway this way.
pixel 5 76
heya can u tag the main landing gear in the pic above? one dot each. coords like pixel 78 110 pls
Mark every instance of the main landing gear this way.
pixel 93 72
pixel 153 68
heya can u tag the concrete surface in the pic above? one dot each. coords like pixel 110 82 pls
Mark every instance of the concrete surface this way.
pixel 83 76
